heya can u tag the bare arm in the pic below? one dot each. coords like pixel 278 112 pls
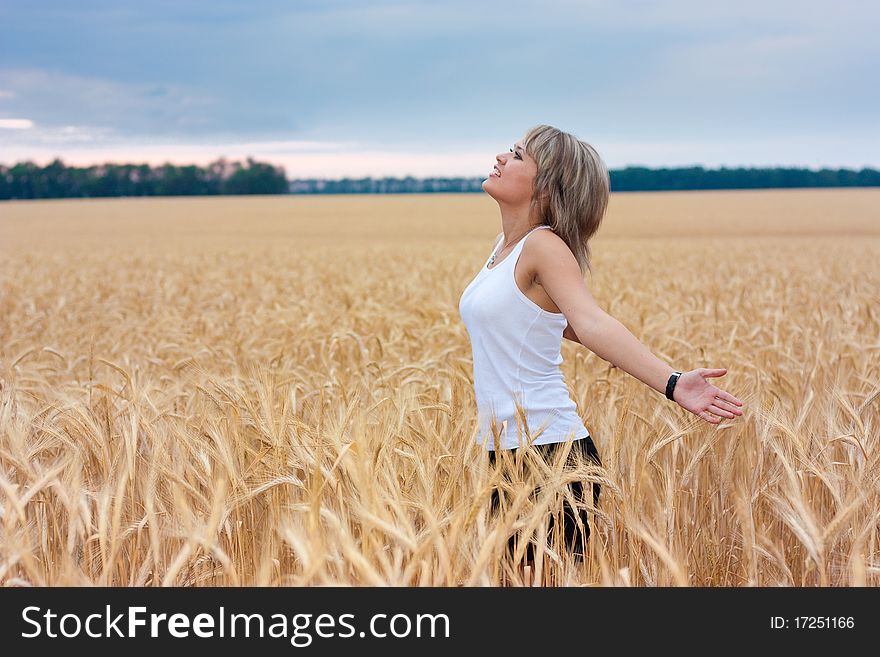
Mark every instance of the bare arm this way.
pixel 559 274
pixel 602 334
pixel 606 337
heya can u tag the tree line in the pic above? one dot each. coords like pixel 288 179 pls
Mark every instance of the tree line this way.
pixel 27 180
pixel 629 179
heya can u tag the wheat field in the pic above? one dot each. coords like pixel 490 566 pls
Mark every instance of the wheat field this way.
pixel 278 391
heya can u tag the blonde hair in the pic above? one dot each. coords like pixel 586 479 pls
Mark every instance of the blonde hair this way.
pixel 571 187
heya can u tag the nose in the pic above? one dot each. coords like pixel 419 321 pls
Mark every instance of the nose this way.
pixel 501 157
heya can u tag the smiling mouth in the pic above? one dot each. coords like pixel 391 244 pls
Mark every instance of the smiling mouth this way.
pixel 496 171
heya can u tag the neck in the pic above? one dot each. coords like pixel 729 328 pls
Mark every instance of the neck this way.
pixel 516 221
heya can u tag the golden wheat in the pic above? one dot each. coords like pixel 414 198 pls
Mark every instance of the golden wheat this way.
pixel 278 390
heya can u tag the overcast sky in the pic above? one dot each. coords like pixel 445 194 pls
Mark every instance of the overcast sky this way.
pixel 332 89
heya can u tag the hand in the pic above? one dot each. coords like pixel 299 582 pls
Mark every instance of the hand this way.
pixel 694 393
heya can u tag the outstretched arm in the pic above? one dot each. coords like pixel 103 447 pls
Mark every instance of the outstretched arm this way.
pixel 609 339
pixel 588 324
pixel 606 337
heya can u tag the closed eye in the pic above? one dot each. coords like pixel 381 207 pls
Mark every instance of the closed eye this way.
pixel 515 154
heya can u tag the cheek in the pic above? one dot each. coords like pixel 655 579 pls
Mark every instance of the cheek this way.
pixel 525 181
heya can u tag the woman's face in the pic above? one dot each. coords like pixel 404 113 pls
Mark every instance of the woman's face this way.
pixel 513 177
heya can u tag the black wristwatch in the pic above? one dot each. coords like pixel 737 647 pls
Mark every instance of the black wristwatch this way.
pixel 670 385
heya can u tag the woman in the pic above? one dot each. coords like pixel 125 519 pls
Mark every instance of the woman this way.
pixel 552 190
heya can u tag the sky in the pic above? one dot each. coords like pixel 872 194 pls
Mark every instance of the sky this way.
pixel 331 89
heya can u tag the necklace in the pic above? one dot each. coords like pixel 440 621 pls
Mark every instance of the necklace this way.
pixel 495 252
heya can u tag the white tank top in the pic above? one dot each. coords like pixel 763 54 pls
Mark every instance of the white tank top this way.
pixel 516 347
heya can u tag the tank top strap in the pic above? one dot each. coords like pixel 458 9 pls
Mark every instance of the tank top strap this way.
pixel 514 252
pixel 537 228
pixel 519 245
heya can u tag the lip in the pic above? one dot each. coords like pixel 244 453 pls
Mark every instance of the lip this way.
pixel 494 172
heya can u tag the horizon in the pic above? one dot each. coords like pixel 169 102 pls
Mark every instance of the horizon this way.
pixel 400 177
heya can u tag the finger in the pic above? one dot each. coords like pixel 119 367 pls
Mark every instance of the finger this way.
pixel 727 406
pixel 728 397
pixel 713 408
pixel 706 415
pixel 721 371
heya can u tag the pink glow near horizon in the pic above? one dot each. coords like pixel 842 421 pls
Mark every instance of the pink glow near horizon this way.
pixel 304 164
pixel 334 160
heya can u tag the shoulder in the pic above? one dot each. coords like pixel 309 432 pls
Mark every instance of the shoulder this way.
pixel 545 248
pixel 546 244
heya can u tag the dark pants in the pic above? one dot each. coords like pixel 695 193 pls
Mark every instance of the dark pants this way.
pixel 575 542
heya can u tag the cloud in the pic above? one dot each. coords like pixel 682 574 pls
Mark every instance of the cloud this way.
pixel 56 98
pixel 454 76
pixel 16 124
